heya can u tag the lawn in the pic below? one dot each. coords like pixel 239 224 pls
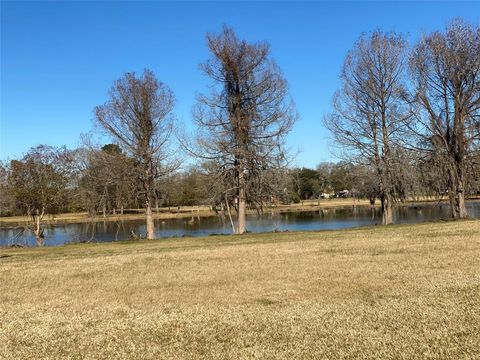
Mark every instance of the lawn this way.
pixel 396 292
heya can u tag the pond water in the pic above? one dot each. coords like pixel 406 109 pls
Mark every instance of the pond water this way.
pixel 338 218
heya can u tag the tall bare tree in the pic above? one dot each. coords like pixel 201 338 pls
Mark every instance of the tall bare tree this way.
pixel 243 121
pixel 369 113
pixel 139 117
pixel 7 205
pixel 445 69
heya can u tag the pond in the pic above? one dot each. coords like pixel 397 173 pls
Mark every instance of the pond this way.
pixel 327 219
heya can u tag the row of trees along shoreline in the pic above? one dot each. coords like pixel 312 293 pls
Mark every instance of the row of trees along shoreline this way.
pixel 405 121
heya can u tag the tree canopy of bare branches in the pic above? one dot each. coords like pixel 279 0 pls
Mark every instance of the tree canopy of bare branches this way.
pixel 139 117
pixel 38 184
pixel 242 122
pixel 107 180
pixel 370 115
pixel 445 69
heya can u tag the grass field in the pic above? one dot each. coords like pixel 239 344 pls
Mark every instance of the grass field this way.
pixel 396 292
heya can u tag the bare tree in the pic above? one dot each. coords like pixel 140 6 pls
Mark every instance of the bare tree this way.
pixel 106 179
pixel 139 117
pixel 445 69
pixel 7 206
pixel 38 185
pixel 369 114
pixel 243 121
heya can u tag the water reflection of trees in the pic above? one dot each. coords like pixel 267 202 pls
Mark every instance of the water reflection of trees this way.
pixel 103 231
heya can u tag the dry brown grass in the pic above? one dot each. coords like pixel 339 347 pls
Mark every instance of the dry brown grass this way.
pixel 399 292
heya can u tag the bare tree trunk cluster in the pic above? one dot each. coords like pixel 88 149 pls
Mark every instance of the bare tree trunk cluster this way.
pixel 242 203
pixel 38 230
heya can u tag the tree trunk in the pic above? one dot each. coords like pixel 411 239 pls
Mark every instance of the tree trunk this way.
pixel 386 200
pixel 458 163
pixel 148 184
pixel 387 210
pixel 460 203
pixel 241 227
pixel 150 224
pixel 456 194
pixel 38 231
pixel 387 206
pixel 229 214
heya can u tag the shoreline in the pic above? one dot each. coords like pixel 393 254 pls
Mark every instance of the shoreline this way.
pixel 205 211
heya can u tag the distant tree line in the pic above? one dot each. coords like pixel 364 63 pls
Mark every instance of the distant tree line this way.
pixel 406 122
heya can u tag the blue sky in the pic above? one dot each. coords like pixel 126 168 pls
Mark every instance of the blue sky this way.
pixel 58 59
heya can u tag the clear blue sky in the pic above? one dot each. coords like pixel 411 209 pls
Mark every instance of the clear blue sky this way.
pixel 58 59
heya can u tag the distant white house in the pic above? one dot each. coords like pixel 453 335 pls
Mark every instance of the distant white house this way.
pixel 342 194
pixel 327 195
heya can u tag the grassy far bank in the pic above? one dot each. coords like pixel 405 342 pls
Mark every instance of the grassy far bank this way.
pixel 396 292
pixel 196 211
pixel 185 212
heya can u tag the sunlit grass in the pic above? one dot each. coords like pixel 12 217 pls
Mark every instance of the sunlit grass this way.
pixel 399 292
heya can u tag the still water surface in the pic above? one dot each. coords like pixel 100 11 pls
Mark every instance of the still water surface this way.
pixel 339 218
